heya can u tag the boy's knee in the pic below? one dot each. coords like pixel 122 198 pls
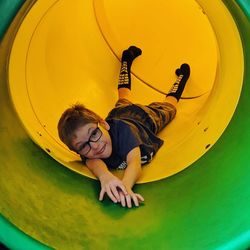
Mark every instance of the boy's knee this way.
pixel 164 113
pixel 122 101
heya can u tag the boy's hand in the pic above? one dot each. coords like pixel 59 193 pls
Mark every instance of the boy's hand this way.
pixel 131 197
pixel 112 186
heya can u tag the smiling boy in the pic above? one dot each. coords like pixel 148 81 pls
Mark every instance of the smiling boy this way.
pixel 126 139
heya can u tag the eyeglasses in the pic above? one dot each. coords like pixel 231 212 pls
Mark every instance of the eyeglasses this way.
pixel 95 136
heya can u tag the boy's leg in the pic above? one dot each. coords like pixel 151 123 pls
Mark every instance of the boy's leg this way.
pixel 172 100
pixel 124 83
pixel 162 113
pixel 176 91
pixel 124 93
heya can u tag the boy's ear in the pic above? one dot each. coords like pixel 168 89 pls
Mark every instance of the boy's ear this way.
pixel 104 124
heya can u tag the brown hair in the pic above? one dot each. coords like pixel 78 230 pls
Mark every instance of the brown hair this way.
pixel 73 118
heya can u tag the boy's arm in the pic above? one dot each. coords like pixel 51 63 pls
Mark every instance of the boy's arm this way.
pixel 133 170
pixel 131 175
pixel 109 182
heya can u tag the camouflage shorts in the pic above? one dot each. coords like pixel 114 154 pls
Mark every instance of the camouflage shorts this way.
pixel 155 115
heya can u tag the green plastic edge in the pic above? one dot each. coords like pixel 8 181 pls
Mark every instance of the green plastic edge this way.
pixel 15 238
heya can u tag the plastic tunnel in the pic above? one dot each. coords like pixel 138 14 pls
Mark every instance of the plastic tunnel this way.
pixel 196 190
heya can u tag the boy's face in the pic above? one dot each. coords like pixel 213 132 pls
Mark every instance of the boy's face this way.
pixel 93 141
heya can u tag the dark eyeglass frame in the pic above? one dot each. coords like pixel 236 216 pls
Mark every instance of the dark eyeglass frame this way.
pixel 96 130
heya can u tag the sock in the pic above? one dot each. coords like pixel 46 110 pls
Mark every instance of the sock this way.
pixel 127 58
pixel 183 74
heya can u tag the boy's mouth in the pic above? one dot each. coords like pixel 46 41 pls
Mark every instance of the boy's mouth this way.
pixel 101 150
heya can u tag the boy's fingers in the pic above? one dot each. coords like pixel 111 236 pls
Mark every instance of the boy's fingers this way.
pixel 134 197
pixel 115 193
pixel 122 187
pixel 122 199
pixel 111 196
pixel 140 197
pixel 101 195
pixel 128 200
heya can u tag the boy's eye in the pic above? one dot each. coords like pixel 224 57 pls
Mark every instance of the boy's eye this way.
pixel 82 147
pixel 94 134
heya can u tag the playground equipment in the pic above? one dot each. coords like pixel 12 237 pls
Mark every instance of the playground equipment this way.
pixel 205 206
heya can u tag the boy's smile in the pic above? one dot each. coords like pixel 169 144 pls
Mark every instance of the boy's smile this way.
pixel 93 142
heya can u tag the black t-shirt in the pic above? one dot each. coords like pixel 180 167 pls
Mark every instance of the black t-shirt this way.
pixel 127 131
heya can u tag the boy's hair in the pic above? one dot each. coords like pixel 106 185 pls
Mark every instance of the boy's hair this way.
pixel 73 118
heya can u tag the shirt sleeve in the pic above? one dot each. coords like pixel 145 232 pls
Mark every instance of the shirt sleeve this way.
pixel 128 138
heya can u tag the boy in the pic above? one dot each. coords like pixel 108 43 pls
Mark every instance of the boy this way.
pixel 126 139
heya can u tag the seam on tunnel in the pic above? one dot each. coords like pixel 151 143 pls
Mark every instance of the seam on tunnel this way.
pixel 141 80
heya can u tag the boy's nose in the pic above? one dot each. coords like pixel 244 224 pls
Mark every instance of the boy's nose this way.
pixel 94 145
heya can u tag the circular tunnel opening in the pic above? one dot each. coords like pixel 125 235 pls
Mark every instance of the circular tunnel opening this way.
pixel 64 53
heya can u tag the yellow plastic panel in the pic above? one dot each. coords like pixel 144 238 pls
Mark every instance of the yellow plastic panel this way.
pixel 169 33
pixel 65 53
